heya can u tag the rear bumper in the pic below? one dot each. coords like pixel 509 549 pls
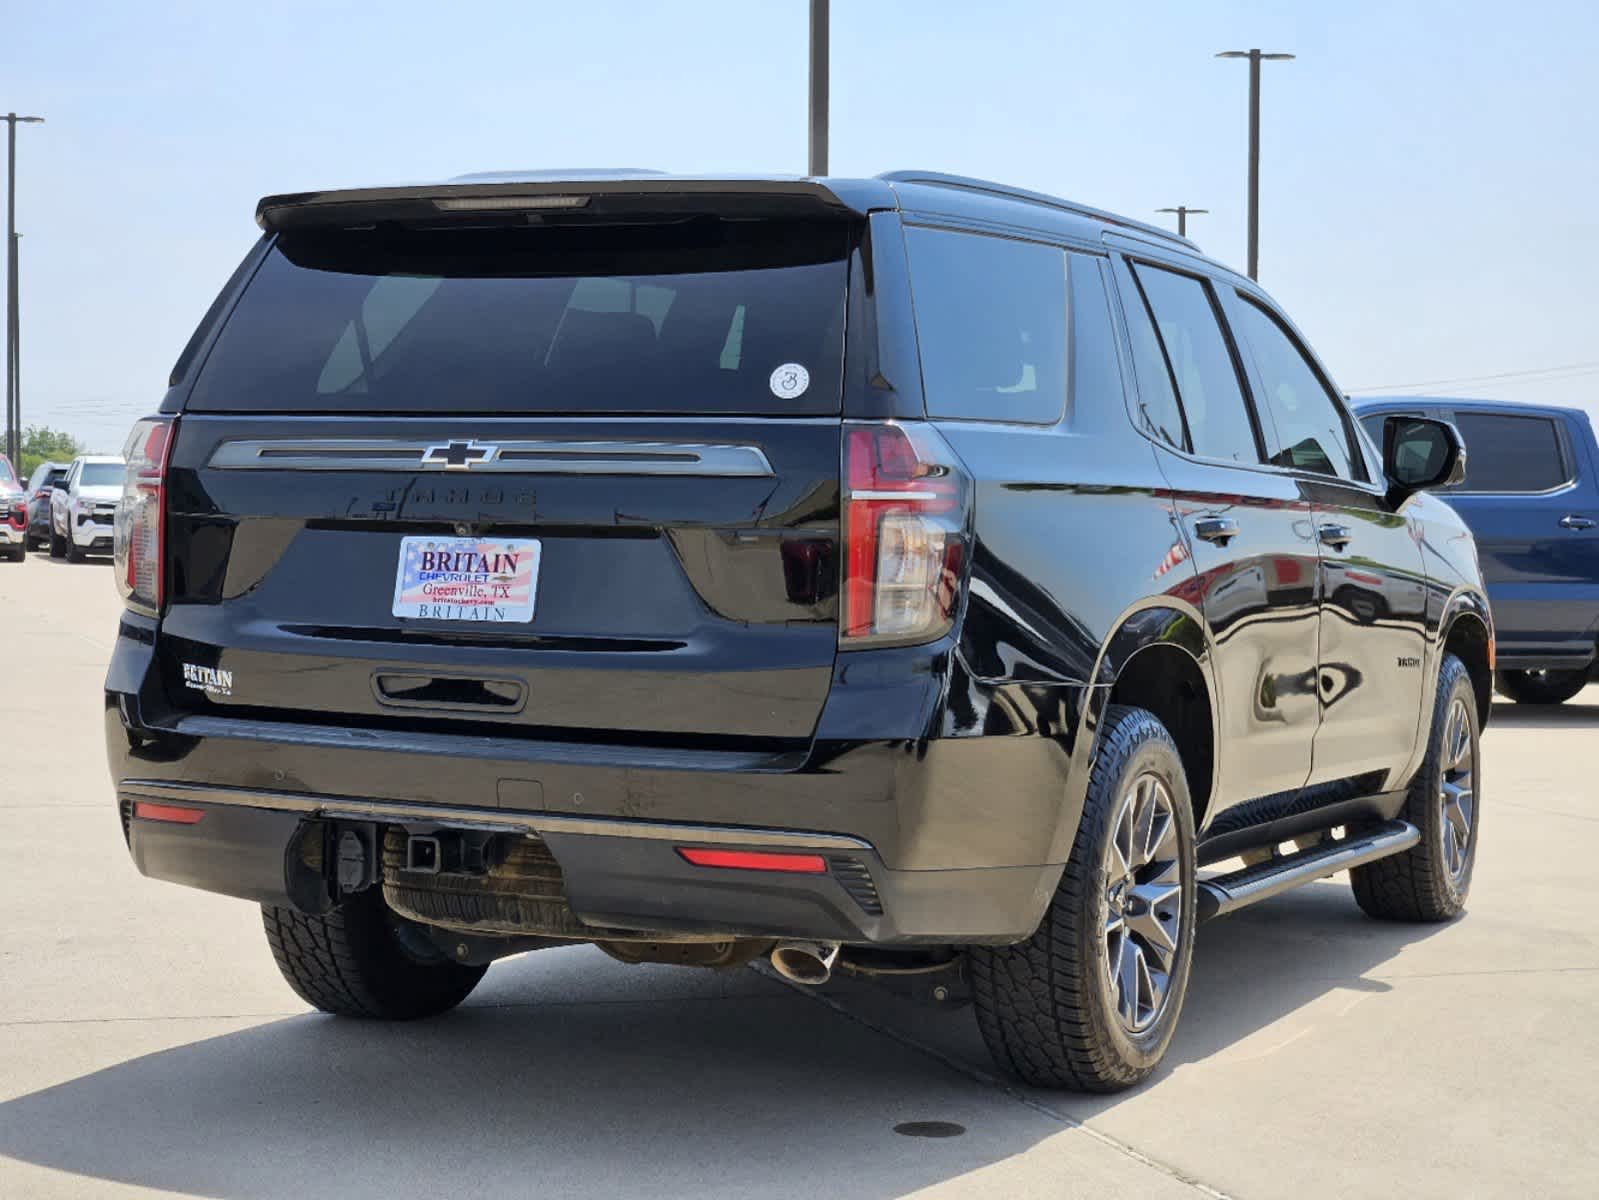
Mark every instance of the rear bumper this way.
pixel 618 874
pixel 926 840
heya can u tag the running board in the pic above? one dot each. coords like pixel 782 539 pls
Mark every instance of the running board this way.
pixel 1227 893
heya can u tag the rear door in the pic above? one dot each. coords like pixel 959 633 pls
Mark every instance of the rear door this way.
pixel 1529 497
pixel 576 479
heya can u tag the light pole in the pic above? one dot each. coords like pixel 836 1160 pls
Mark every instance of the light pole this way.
pixel 1183 213
pixel 1255 58
pixel 13 366
pixel 817 164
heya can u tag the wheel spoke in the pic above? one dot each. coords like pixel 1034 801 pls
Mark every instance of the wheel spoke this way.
pixel 1131 963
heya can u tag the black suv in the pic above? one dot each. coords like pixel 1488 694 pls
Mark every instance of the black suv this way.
pixel 909 575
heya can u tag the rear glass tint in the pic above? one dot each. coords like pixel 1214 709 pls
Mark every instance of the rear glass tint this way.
pixel 991 324
pixel 696 316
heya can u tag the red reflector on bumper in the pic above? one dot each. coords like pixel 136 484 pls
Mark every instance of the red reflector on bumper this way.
pixel 748 860
pixel 144 810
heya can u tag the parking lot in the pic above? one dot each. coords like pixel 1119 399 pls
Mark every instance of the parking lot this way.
pixel 148 1045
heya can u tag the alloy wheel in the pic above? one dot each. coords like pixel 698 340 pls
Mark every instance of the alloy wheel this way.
pixel 1457 790
pixel 1143 903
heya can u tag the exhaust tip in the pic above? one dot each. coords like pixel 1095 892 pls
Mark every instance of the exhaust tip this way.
pixel 807 963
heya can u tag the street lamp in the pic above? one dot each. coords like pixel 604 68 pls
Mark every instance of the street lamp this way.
pixel 1183 213
pixel 1255 58
pixel 13 366
pixel 817 164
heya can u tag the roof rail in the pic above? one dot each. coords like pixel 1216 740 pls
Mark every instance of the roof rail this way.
pixel 939 179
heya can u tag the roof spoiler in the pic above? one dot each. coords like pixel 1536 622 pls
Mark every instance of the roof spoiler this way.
pixel 519 201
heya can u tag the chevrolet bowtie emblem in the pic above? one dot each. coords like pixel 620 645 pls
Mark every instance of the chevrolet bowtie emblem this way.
pixel 458 456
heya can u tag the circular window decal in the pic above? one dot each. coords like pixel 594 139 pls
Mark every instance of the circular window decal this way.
pixel 789 381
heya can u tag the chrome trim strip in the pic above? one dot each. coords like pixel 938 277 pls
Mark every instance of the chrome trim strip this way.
pixel 495 819
pixel 547 456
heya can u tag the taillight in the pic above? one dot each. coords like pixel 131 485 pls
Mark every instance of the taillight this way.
pixel 905 507
pixel 138 533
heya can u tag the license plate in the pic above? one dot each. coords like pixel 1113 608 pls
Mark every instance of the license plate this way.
pixel 466 579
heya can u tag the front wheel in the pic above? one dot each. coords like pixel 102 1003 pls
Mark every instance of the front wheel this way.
pixel 1541 687
pixel 355 962
pixel 1429 882
pixel 1091 1000
pixel 58 544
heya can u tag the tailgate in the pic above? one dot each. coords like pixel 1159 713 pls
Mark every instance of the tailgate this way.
pixel 581 480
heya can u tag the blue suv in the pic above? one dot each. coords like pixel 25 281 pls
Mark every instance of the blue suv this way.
pixel 1531 497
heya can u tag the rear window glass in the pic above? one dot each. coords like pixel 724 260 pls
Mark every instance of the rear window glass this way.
pixel 6 476
pixel 991 326
pixel 697 316
pixel 1511 454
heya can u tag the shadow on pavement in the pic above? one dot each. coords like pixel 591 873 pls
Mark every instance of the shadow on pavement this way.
pixel 742 1093
pixel 745 1095
pixel 1573 713
pixel 1251 970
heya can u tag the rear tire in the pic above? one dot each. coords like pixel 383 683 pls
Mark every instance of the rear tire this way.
pixel 17 553
pixel 1430 881
pixel 75 552
pixel 352 962
pixel 1541 687
pixel 1067 1008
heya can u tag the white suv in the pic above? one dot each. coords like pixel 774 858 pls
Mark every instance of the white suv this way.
pixel 83 507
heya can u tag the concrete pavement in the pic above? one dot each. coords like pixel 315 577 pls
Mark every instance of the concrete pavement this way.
pixel 148 1047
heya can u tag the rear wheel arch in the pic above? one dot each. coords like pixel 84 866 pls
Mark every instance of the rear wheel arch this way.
pixel 1159 658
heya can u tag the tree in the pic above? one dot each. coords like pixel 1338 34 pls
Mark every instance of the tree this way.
pixel 40 444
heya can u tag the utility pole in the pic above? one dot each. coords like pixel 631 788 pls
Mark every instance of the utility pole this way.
pixel 818 124
pixel 1255 57
pixel 1183 213
pixel 13 349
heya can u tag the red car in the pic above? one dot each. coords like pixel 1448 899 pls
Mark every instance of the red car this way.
pixel 13 514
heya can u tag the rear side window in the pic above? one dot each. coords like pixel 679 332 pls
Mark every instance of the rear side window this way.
pixel 990 324
pixel 698 316
pixel 1511 454
pixel 1309 423
pixel 1200 364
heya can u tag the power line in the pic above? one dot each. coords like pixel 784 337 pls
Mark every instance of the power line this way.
pixel 1582 368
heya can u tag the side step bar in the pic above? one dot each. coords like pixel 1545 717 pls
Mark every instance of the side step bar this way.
pixel 1223 894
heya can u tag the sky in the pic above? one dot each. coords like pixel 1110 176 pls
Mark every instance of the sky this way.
pixel 1429 170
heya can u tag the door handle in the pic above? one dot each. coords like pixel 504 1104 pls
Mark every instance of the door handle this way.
pixel 1336 536
pixel 1570 521
pixel 1220 530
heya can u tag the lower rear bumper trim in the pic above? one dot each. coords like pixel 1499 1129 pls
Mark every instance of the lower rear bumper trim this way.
pixel 494 819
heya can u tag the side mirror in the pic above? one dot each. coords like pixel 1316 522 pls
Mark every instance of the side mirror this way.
pixel 1418 454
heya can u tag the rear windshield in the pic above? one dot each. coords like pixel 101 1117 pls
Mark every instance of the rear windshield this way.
pixel 6 477
pixel 697 316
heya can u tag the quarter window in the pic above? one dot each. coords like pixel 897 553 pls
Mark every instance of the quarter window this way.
pixel 991 326
pixel 1157 398
pixel 1511 454
pixel 1310 431
pixel 1201 365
